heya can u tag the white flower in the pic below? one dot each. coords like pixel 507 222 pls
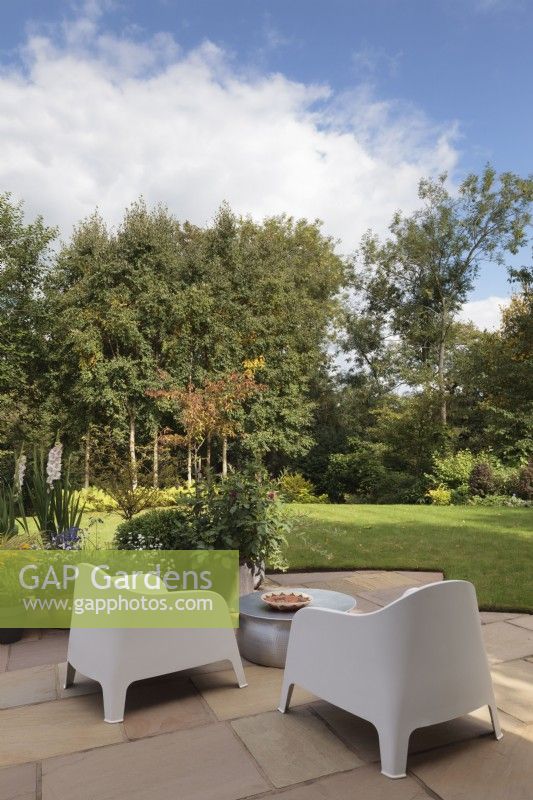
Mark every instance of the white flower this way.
pixel 53 467
pixel 20 471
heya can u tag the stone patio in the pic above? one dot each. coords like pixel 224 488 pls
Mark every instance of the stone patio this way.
pixel 195 736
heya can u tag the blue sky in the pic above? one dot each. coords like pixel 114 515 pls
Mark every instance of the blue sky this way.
pixel 395 88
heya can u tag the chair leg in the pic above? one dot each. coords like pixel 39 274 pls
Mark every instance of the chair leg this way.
pixel 69 677
pixel 393 748
pixel 114 702
pixel 286 694
pixel 495 721
pixel 239 671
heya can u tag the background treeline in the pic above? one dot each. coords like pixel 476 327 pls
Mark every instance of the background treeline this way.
pixel 159 347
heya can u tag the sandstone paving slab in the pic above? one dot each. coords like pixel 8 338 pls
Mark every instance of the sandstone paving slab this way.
pixel 369 580
pixel 495 616
pixel 332 584
pixel 421 577
pixel 294 747
pixel 215 666
pixel 18 783
pixel 48 650
pixel 301 578
pixel 484 769
pixel 26 686
pixel 155 707
pixel 30 733
pixel 362 736
pixel 31 635
pixel 524 621
pixel 4 656
pixel 206 763
pixel 513 687
pixel 262 693
pixel 364 783
pixel 507 642
pixel 383 597
pixel 364 606
pixel 82 684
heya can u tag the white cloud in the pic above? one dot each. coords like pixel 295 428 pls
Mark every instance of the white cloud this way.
pixel 94 119
pixel 486 313
pixel 370 59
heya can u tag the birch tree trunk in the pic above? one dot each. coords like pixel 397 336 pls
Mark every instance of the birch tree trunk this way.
pixel 133 455
pixel 156 460
pixel 87 460
pixel 189 465
pixel 225 457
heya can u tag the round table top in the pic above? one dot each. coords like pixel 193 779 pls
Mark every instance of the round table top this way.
pixel 251 605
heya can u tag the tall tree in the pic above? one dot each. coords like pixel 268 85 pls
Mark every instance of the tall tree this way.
pixel 117 299
pixel 419 278
pixel 24 260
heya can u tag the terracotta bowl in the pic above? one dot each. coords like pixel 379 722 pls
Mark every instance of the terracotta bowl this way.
pixel 286 599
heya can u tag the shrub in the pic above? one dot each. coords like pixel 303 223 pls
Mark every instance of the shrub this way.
pixel 454 470
pixel 397 487
pixel 96 499
pixel 294 488
pixel 524 485
pixel 240 513
pixel 461 495
pixel 358 472
pixel 440 496
pixel 499 500
pixel 244 513
pixel 166 529
pixel 482 481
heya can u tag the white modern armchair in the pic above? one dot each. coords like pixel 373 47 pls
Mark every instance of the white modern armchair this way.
pixel 116 657
pixel 416 662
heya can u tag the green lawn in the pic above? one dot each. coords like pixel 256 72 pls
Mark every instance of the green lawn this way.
pixel 492 547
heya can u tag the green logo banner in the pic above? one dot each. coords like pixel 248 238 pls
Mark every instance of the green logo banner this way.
pixel 119 589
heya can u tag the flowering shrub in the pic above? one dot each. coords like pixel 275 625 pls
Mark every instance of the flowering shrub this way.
pixel 241 513
pixel 166 529
pixel 440 496
pixel 491 500
pixel 244 513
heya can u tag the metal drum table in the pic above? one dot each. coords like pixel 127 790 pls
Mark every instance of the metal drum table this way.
pixel 263 634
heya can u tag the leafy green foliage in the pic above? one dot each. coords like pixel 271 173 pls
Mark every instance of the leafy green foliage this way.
pixel 440 495
pixel 524 486
pixel 24 353
pixel 453 470
pixel 244 514
pixel 241 513
pixel 294 488
pixel 166 529
pixel 8 512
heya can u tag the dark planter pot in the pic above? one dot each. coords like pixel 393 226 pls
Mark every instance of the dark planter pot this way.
pixel 10 635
